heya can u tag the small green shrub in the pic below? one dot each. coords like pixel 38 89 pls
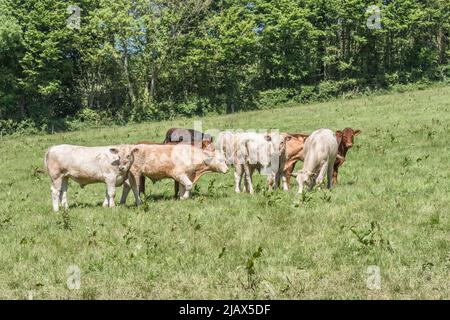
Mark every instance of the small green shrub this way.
pixel 307 94
pixel 271 98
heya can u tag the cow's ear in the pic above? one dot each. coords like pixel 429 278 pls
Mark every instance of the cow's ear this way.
pixel 339 133
pixel 114 150
pixel 134 150
pixel 356 132
pixel 288 138
pixel 205 143
pixel 267 137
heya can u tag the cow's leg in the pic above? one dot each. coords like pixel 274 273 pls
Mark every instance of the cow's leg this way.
pixel 187 184
pixel 272 182
pixel 335 175
pixel 106 201
pixel 110 192
pixel 277 178
pixel 134 183
pixel 181 191
pixel 56 192
pixel 330 176
pixel 177 189
pixel 302 178
pixel 63 198
pixel 248 173
pixel 142 184
pixel 284 181
pixel 185 195
pixel 125 191
pixel 312 182
pixel 287 176
pixel 238 178
pixel 323 170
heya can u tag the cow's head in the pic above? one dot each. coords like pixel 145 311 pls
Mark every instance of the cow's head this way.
pixel 125 156
pixel 296 144
pixel 215 161
pixel 208 145
pixel 278 142
pixel 207 137
pixel 345 137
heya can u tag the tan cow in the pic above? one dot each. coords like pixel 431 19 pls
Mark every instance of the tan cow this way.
pixel 87 165
pixel 204 144
pixel 181 162
pixel 320 153
pixel 294 153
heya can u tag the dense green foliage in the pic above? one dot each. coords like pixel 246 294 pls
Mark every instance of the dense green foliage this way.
pixel 154 59
pixel 390 209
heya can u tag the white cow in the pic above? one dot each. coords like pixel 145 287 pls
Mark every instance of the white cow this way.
pixel 225 143
pixel 87 165
pixel 249 151
pixel 320 153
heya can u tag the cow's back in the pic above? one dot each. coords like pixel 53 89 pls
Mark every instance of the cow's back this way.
pixel 161 161
pixel 85 165
pixel 320 145
pixel 71 156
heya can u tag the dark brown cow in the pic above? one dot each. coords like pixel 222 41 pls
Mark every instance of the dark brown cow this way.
pixel 344 139
pixel 186 135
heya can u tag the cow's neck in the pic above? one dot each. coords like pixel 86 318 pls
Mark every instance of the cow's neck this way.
pixel 342 150
pixel 199 172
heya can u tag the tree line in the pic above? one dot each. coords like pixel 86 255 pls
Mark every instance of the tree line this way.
pixel 137 60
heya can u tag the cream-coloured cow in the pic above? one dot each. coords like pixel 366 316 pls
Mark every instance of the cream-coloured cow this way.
pixel 248 151
pixel 87 165
pixel 320 152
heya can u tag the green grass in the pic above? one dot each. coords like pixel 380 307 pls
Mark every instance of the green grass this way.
pixel 390 209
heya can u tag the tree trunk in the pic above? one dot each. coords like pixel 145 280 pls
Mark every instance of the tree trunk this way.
pixel 131 94
pixel 153 84
pixel 23 112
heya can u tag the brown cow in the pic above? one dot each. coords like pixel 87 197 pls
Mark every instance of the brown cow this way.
pixel 294 153
pixel 344 139
pixel 205 144
pixel 186 135
pixel 181 162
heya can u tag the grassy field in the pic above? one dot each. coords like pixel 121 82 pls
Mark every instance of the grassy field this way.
pixel 390 210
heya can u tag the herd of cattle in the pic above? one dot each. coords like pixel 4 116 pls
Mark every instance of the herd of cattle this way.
pixel 186 154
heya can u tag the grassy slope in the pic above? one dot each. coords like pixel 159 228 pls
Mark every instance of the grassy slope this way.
pixel 396 175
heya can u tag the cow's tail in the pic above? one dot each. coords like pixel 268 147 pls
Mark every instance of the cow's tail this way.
pixel 45 169
pixel 46 159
